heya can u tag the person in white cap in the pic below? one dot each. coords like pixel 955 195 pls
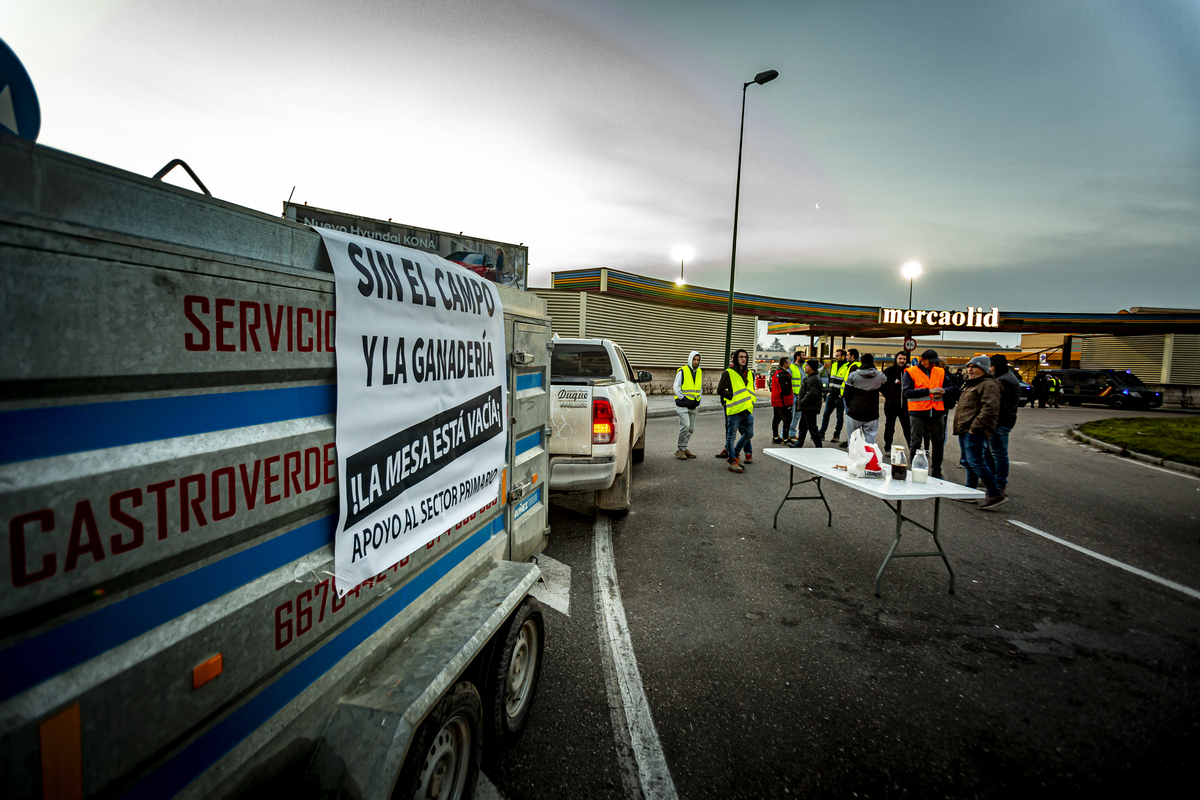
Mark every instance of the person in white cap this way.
pixel 975 421
pixel 689 381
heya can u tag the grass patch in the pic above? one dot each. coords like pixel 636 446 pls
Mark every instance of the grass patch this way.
pixel 1172 439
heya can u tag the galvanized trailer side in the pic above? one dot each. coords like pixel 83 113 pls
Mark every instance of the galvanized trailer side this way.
pixel 168 621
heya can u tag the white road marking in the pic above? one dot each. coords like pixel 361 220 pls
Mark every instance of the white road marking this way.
pixel 554 589
pixel 1139 572
pixel 1137 463
pixel 485 789
pixel 637 738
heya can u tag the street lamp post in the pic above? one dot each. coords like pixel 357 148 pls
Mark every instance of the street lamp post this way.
pixel 910 270
pixel 683 253
pixel 760 78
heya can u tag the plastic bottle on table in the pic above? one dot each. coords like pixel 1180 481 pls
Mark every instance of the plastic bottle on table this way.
pixel 920 467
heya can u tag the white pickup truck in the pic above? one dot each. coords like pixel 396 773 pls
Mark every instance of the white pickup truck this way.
pixel 597 420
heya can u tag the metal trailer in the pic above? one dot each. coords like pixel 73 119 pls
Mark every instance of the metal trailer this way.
pixel 168 491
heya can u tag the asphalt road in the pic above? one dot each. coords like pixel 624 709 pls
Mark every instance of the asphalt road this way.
pixel 771 669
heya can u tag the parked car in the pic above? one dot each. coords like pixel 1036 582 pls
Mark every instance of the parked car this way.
pixel 1026 397
pixel 1110 387
pixel 479 263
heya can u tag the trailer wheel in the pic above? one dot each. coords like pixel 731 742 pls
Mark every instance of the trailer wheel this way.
pixel 513 674
pixel 443 760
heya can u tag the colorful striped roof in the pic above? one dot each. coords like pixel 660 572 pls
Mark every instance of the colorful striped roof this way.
pixel 808 317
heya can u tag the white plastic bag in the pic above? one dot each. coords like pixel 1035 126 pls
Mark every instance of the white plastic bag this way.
pixel 865 459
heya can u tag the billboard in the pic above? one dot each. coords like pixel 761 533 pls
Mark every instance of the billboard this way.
pixel 497 261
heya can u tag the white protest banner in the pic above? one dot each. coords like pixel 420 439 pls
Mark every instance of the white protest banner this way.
pixel 421 420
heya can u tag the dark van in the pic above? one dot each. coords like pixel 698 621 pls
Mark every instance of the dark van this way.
pixel 1110 387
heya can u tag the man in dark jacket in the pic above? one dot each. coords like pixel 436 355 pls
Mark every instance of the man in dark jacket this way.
pixel 894 407
pixel 862 399
pixel 975 423
pixel 736 388
pixel 781 400
pixel 809 404
pixel 1010 400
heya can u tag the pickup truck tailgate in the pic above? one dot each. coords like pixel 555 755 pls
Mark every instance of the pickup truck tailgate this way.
pixel 571 421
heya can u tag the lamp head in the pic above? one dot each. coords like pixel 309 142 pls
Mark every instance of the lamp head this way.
pixel 682 252
pixel 911 269
pixel 765 77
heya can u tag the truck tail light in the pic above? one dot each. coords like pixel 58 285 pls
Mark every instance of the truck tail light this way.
pixel 604 423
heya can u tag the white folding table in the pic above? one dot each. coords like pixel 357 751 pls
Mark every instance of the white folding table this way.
pixel 821 463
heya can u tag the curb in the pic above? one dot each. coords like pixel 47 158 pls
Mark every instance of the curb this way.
pixel 705 410
pixel 1187 469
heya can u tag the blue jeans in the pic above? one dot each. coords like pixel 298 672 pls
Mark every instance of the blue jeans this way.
pixel 974 446
pixel 833 400
pixel 733 424
pixel 997 456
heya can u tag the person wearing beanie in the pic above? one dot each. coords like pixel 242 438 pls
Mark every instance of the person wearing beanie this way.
pixel 809 403
pixel 975 423
pixel 862 399
pixel 1010 401
pixel 926 388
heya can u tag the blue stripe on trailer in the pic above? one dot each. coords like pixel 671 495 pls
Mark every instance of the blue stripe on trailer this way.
pixel 34 660
pixel 527 443
pixel 529 380
pixel 526 504
pixel 58 430
pixel 191 762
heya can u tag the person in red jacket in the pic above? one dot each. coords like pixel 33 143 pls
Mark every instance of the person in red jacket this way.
pixel 781 399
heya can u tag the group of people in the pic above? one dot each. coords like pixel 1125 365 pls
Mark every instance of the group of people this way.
pixel 1046 390
pixel 918 396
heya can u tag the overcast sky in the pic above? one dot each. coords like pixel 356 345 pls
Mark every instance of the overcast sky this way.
pixel 1036 155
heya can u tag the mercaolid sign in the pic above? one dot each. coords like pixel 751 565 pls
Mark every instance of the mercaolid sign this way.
pixel 956 320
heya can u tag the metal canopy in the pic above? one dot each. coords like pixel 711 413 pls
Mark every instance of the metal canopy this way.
pixel 809 318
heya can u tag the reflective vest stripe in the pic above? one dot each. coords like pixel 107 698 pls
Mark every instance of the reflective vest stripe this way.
pixel 934 379
pixel 690 387
pixel 743 394
pixel 850 367
pixel 797 377
pixel 838 374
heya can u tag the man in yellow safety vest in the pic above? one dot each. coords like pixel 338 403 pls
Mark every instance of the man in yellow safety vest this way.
pixel 839 370
pixel 797 369
pixel 736 388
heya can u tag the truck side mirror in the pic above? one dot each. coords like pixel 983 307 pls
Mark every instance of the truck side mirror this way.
pixel 644 377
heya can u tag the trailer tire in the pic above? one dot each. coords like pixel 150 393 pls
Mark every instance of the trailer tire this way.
pixel 447 747
pixel 513 673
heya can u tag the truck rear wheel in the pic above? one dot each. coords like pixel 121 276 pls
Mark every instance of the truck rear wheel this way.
pixel 617 498
pixel 639 447
pixel 513 673
pixel 443 760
